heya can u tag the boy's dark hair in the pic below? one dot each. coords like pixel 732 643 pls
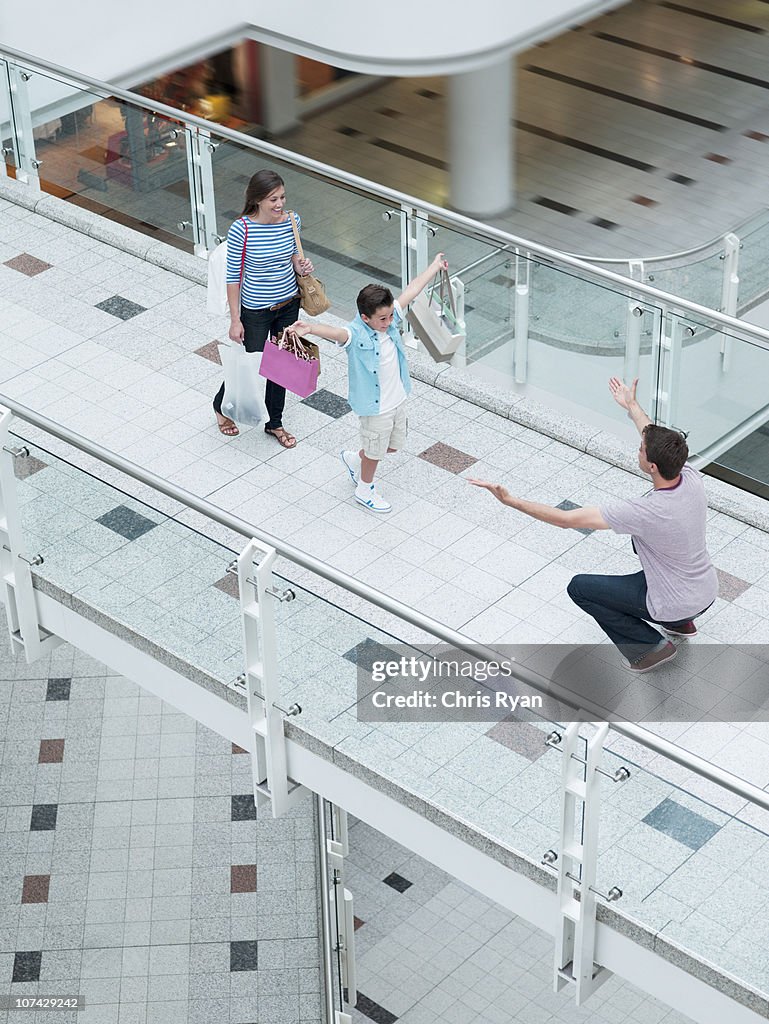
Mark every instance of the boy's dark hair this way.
pixel 666 448
pixel 258 188
pixel 373 297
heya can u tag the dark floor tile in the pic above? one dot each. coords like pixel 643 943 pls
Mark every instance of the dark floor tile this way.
pixel 411 154
pixel 429 94
pixel 602 222
pixel 210 352
pixel 367 652
pixel 373 1010
pixel 730 587
pixel 757 136
pixel 95 153
pixel 446 457
pixel 389 112
pixel 678 822
pixel 126 522
pixel 681 179
pixel 553 204
pixel 179 188
pixel 243 807
pixel 51 752
pixel 26 966
pixel 567 505
pixel 644 201
pixel 24 468
pixel 58 689
pixel 28 265
pixel 238 750
pixel 43 817
pixel 122 308
pixel 718 158
pixel 397 882
pixel 357 922
pixel 327 402
pixel 520 737
pixel 243 878
pixel 243 956
pixel 352 132
pixel 35 888
pixel 228 584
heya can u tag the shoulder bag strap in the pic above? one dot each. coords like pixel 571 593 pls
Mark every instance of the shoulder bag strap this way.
pixel 243 256
pixel 446 278
pixel 297 239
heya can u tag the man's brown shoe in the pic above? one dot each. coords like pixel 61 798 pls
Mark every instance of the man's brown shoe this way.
pixel 682 629
pixel 656 658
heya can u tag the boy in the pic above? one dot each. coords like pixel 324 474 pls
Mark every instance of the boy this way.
pixel 378 377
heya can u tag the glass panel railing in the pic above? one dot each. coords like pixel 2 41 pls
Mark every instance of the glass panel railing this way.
pixel 713 383
pixel 114 157
pixel 6 122
pixel 681 849
pixel 753 260
pixel 353 240
pixel 697 279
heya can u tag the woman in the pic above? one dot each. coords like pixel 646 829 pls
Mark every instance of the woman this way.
pixel 263 296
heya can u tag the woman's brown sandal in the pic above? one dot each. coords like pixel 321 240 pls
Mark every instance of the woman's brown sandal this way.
pixel 227 426
pixel 281 436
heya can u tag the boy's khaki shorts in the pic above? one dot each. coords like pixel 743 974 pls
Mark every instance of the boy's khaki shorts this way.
pixel 378 433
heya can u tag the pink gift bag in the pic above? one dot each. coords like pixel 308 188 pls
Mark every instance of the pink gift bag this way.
pixel 291 362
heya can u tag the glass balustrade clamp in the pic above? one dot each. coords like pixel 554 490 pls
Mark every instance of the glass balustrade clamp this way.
pixel 34 560
pixel 291 710
pixel 17 453
pixel 622 774
pixel 549 857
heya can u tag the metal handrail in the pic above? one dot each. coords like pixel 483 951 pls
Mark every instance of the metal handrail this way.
pixel 454 638
pixel 747 222
pixel 757 335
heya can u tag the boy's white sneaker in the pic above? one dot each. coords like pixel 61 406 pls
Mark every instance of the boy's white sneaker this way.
pixel 368 497
pixel 351 462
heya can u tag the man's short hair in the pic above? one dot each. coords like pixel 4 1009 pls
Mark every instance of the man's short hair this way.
pixel 373 297
pixel 666 448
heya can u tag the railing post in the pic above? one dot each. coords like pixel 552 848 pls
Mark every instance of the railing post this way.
pixel 200 150
pixel 633 327
pixel 261 677
pixel 415 230
pixel 22 136
pixel 730 286
pixel 24 627
pixel 673 345
pixel 521 318
pixel 577 866
pixel 458 288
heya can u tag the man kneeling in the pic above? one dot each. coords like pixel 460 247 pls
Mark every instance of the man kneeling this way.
pixel 677 581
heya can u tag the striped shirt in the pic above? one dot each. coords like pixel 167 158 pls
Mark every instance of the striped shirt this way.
pixel 268 276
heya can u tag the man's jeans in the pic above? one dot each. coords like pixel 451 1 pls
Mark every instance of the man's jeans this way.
pixel 618 605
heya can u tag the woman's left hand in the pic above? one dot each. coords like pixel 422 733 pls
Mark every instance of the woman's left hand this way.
pixel 305 267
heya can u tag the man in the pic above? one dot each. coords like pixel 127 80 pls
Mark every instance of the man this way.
pixel 677 581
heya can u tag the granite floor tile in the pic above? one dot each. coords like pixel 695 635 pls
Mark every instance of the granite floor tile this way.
pixel 120 307
pixel 35 888
pixel 51 752
pixel 446 457
pixel 58 689
pixel 688 827
pixel 244 956
pixel 328 402
pixel 28 265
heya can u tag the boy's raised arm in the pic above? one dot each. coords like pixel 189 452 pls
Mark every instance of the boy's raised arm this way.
pixel 413 288
pixel 326 331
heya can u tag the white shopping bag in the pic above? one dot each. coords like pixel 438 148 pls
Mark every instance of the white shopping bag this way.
pixel 243 386
pixel 216 292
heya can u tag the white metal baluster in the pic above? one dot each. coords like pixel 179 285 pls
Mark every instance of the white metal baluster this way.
pixel 730 287
pixel 255 584
pixel 20 604
pixel 521 318
pixel 575 937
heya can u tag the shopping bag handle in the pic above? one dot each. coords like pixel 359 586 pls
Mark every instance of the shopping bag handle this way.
pixel 297 239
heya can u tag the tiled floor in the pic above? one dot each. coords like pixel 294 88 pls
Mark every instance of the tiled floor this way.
pixel 640 133
pixel 431 950
pixel 142 387
pixel 133 868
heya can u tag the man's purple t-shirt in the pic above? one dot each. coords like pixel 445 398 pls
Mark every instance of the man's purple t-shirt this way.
pixel 668 530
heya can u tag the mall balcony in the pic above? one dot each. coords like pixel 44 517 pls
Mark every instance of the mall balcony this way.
pixel 208 815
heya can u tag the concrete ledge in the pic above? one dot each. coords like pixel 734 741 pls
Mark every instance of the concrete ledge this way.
pixel 722 497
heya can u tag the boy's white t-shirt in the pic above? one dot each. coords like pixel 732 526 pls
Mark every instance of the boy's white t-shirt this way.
pixel 391 391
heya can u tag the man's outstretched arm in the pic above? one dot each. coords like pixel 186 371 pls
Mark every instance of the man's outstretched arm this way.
pixel 589 518
pixel 625 397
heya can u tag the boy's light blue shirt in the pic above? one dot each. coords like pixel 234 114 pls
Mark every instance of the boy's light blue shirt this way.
pixel 362 351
